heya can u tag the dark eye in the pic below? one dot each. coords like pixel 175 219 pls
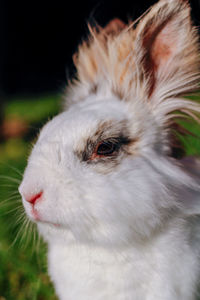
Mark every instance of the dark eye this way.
pixel 106 148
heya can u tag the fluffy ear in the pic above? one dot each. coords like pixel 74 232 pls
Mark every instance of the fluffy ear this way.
pixel 114 27
pixel 166 50
pixel 155 61
pixel 167 64
pixel 92 58
pixel 97 60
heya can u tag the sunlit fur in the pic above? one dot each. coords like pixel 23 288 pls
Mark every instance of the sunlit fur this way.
pixel 128 230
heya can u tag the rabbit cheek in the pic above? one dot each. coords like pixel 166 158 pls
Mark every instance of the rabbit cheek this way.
pixel 107 164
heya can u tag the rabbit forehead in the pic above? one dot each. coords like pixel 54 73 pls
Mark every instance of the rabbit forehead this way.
pixel 70 134
pixel 83 119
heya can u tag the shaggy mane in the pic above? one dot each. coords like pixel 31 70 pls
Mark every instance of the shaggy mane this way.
pixel 156 61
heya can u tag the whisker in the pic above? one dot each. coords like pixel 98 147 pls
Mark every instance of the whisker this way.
pixel 9 200
pixel 20 218
pixel 24 236
pixel 14 196
pixel 18 234
pixel 13 193
pixel 7 206
pixel 28 228
pixel 10 211
pixel 14 185
pixel 34 236
pixel 25 230
pixel 13 179
pixel 13 168
pixel 38 242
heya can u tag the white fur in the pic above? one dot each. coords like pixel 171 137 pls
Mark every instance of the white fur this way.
pixel 126 232
pixel 122 235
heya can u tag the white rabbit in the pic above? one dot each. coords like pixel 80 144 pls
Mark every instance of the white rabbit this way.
pixel 118 211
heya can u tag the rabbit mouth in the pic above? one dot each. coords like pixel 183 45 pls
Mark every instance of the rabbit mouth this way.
pixel 35 214
pixel 35 217
pixel 56 225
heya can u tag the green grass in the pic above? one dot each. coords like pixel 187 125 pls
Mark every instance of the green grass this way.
pixel 23 268
pixel 33 109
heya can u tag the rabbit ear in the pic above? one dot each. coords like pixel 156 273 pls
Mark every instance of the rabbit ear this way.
pixel 156 61
pixel 167 64
pixel 92 57
pixel 166 50
pixel 114 27
pixel 92 61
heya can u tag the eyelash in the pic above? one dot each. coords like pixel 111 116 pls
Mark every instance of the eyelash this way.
pixel 108 148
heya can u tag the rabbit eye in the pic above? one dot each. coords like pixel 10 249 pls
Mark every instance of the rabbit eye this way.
pixel 106 148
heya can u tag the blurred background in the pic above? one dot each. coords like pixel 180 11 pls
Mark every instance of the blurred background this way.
pixel 38 39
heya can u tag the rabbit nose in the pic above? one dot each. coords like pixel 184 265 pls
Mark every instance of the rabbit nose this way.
pixel 33 198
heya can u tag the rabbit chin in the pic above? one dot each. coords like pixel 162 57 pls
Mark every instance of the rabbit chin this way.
pixel 113 237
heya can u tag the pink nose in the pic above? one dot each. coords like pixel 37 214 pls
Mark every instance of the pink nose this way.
pixel 34 198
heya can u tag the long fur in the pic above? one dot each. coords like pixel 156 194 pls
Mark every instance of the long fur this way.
pixel 122 221
pixel 121 62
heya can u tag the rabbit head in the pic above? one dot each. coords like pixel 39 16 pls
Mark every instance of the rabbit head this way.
pixel 101 171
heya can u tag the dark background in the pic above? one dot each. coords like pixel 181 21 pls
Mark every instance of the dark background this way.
pixel 38 38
